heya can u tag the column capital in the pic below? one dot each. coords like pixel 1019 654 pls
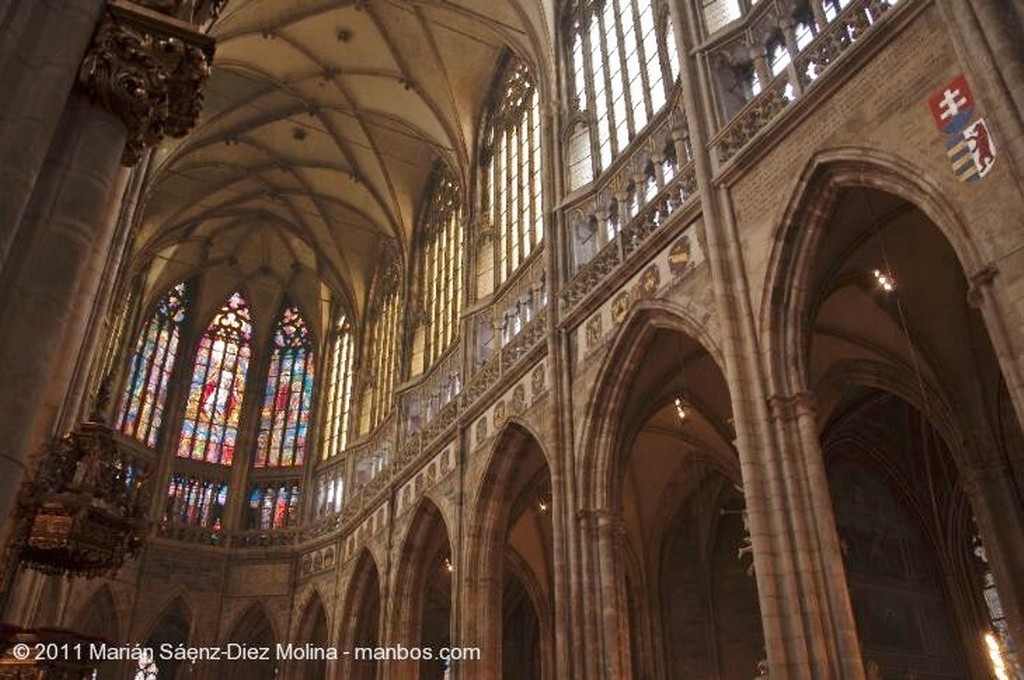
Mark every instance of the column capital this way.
pixel 789 406
pixel 981 281
pixel 148 69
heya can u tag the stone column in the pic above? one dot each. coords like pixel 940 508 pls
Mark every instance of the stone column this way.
pixel 805 624
pixel 999 516
pixel 66 217
pixel 41 46
pixel 140 79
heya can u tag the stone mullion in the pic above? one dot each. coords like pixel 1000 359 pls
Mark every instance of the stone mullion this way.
pixel 641 53
pixel 178 390
pixel 606 75
pixel 588 84
pixel 120 358
pixel 623 69
pixel 818 9
pixel 239 473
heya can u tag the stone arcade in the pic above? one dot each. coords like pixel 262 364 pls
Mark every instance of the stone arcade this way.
pixel 589 339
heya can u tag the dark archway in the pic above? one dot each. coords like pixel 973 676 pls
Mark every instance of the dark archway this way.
pixel 709 593
pixel 172 628
pixel 908 538
pixel 662 422
pixel 252 630
pixel 510 549
pixel 313 631
pixel 423 595
pixel 360 624
pixel 99 619
pixel 874 270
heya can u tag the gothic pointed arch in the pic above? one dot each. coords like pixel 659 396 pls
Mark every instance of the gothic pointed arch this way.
pixel 253 629
pixel 172 626
pixel 144 400
pixel 440 238
pixel 511 534
pixel 510 161
pixel 360 624
pixel 422 613
pixel 281 439
pixel 210 429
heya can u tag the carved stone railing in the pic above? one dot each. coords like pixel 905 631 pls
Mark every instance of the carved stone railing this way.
pixel 847 30
pixel 262 538
pixel 655 213
pixel 515 305
pixel 649 219
pixel 440 386
pixel 187 533
pixel 482 380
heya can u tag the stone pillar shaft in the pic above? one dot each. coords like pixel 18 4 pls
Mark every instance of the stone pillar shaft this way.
pixel 41 45
pixel 66 219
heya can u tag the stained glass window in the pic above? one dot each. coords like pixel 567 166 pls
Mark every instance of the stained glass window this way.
pixel 195 501
pixel 272 506
pixel 512 153
pixel 339 398
pixel 210 429
pixel 284 418
pixel 142 407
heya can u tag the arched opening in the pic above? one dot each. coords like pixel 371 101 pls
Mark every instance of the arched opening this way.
pixel 905 529
pixel 253 630
pixel 172 628
pixel 361 622
pixel 511 561
pixel 671 479
pixel 875 298
pixel 659 419
pixel 313 631
pixel 424 594
pixel 709 594
pixel 98 619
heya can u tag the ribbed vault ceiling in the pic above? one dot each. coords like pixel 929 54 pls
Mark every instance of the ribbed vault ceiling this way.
pixel 322 121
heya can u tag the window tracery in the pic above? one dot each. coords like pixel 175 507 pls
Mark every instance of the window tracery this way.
pixel 210 428
pixel 383 345
pixel 512 170
pixel 624 64
pixel 284 418
pixel 441 225
pixel 142 406
pixel 339 390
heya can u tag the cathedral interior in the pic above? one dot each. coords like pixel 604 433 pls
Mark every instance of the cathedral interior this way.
pixel 512 339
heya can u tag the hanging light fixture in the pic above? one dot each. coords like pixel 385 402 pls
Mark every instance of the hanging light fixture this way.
pixel 682 409
pixel 884 280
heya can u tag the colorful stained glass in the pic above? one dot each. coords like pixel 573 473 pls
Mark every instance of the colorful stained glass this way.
pixel 196 502
pixel 210 429
pixel 272 506
pixel 284 418
pixel 142 406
